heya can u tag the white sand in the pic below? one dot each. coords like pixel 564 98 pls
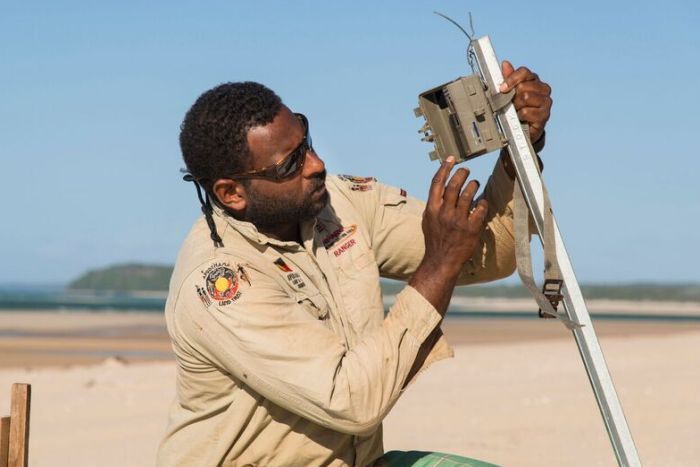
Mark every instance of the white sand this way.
pixel 524 404
pixel 530 404
pixel 106 415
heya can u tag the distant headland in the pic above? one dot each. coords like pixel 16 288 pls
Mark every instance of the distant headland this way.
pixel 138 277
pixel 129 277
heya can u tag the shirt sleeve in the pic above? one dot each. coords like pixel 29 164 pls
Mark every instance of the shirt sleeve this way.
pixel 274 345
pixel 397 236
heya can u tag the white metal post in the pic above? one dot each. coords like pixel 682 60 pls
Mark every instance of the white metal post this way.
pixel 575 307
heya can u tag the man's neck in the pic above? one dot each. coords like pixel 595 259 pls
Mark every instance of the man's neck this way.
pixel 283 233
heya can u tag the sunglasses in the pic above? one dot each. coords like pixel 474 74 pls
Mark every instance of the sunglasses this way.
pixel 288 166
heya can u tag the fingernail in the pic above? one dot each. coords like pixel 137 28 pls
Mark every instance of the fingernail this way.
pixel 503 87
pixel 450 159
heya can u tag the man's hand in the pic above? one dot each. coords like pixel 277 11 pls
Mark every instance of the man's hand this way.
pixel 450 227
pixel 451 230
pixel 532 99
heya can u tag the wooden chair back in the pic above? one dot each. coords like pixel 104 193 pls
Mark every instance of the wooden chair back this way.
pixel 14 430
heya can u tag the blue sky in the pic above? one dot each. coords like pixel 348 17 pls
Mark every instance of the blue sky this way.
pixel 93 94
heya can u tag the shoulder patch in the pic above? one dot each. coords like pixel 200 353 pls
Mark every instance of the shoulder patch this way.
pixel 358 183
pixel 222 283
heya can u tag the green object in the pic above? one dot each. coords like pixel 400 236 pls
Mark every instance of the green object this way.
pixel 427 459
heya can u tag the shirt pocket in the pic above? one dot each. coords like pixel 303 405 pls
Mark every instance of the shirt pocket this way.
pixel 358 278
pixel 314 304
pixel 353 256
pixel 357 264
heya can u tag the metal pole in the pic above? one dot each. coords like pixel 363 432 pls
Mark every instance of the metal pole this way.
pixel 575 307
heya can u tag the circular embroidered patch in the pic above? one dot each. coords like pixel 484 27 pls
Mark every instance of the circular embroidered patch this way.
pixel 222 283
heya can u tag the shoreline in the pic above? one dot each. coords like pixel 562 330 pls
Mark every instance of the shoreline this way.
pixel 457 303
pixel 34 339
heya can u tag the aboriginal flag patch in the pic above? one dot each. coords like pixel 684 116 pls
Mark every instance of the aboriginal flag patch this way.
pixel 221 284
pixel 279 262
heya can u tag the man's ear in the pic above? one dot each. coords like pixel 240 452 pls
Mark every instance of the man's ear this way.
pixel 230 193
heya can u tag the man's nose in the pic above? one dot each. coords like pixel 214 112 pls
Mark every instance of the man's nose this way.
pixel 313 164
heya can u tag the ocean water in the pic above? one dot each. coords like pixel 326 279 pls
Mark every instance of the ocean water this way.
pixel 51 297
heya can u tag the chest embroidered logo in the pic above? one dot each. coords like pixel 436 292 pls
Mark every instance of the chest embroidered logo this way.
pixel 338 235
pixel 344 247
pixel 221 284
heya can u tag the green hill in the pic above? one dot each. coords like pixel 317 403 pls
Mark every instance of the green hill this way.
pixel 135 277
pixel 125 278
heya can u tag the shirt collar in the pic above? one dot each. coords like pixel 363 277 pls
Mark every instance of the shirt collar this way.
pixel 251 232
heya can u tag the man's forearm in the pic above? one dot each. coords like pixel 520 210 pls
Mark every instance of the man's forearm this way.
pixel 436 285
pixel 452 224
pixel 508 164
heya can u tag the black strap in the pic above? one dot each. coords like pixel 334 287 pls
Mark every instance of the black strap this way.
pixel 207 210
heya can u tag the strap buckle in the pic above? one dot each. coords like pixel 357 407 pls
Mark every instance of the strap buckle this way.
pixel 552 292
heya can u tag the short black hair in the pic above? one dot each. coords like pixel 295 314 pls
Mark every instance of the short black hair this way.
pixel 213 133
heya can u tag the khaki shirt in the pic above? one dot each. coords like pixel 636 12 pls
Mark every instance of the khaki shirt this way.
pixel 284 353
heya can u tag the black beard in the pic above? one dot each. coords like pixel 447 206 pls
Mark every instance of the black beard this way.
pixel 266 212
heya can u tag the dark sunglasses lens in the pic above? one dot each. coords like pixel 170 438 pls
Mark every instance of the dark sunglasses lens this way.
pixel 291 165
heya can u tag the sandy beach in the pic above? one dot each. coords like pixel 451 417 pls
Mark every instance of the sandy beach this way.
pixel 516 392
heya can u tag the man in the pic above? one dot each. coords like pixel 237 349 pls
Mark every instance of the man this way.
pixel 285 356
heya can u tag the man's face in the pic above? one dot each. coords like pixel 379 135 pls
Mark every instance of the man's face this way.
pixel 301 197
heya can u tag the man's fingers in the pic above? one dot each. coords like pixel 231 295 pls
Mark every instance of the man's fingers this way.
pixel 437 187
pixel 507 68
pixel 531 93
pixel 520 75
pixel 467 196
pixel 533 116
pixel 531 99
pixel 454 186
pixel 478 215
pixel 534 86
pixel 536 118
